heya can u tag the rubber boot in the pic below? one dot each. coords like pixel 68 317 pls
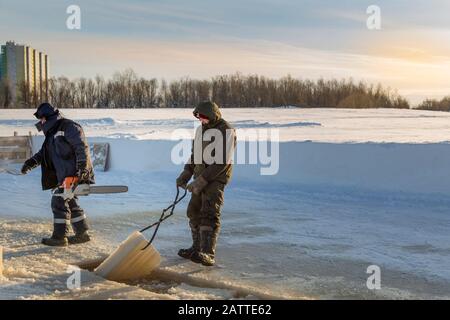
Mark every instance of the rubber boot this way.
pixel 208 240
pixel 80 238
pixel 59 236
pixel 79 224
pixel 187 253
pixel 55 241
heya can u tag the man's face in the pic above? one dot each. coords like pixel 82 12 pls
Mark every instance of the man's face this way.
pixel 40 125
pixel 201 118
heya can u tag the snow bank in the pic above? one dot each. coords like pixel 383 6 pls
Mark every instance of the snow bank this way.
pixel 417 168
pixel 396 167
pixel 380 149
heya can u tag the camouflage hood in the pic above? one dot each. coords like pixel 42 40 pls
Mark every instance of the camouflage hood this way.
pixel 210 110
pixel 222 169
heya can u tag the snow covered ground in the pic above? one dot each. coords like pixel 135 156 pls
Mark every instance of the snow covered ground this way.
pixel 354 188
pixel 319 125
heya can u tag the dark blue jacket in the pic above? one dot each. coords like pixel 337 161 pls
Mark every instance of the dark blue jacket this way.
pixel 65 146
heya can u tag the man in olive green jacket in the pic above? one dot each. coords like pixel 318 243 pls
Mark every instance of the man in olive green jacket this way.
pixel 211 175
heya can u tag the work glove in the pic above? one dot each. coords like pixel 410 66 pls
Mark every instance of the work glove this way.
pixel 197 185
pixel 82 171
pixel 183 179
pixel 28 165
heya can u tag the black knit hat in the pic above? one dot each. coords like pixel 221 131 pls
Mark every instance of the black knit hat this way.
pixel 46 110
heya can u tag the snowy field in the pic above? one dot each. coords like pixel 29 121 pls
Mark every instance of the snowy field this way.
pixel 354 188
pixel 318 125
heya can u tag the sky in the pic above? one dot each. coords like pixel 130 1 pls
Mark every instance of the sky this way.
pixel 308 39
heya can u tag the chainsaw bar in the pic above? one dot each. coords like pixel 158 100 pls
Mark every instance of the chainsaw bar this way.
pixel 85 189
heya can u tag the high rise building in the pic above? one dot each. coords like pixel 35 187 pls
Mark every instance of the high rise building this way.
pixel 25 70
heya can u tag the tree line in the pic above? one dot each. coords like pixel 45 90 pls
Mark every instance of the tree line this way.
pixel 127 90
pixel 436 105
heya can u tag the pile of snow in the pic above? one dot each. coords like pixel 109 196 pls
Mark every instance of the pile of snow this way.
pixel 395 167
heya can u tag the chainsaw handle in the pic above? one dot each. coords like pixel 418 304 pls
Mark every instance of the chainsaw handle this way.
pixel 70 183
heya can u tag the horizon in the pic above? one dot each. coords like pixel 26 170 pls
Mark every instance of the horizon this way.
pixel 304 39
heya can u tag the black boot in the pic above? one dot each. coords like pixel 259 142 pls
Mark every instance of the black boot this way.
pixel 80 238
pixel 187 253
pixel 208 240
pixel 55 241
pixel 79 224
pixel 58 238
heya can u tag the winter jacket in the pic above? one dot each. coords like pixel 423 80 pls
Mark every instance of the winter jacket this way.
pixel 221 171
pixel 64 148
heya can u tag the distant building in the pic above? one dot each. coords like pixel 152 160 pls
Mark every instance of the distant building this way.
pixel 25 70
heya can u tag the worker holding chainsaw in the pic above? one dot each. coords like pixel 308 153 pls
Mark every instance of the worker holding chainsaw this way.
pixel 65 162
pixel 211 166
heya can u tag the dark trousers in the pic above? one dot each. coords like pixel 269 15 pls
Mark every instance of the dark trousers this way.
pixel 204 209
pixel 66 212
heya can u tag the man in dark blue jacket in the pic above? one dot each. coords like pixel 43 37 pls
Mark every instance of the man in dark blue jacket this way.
pixel 64 153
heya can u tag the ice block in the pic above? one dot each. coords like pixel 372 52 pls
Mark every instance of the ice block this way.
pixel 129 261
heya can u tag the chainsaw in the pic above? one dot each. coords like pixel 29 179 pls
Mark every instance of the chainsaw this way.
pixel 72 189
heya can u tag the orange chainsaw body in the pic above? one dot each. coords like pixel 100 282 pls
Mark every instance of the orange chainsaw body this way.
pixel 70 183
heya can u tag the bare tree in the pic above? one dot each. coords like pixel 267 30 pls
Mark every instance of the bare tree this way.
pixel 127 90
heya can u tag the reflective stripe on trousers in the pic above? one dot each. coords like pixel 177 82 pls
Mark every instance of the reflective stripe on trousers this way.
pixel 66 212
pixel 73 220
